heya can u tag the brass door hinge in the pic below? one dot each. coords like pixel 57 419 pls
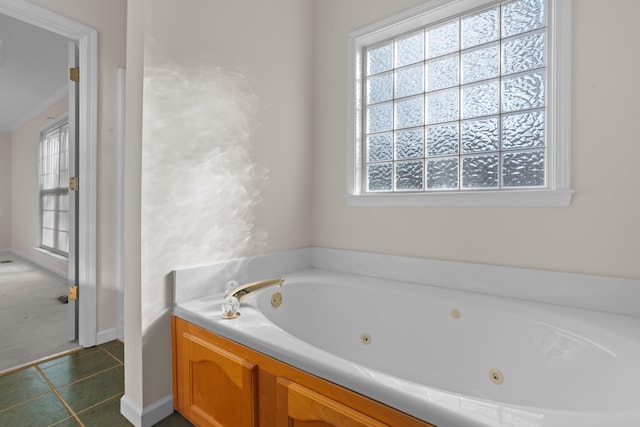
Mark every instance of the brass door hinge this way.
pixel 73 183
pixel 74 74
pixel 73 293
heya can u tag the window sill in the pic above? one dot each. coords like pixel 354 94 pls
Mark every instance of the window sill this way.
pixel 53 254
pixel 532 198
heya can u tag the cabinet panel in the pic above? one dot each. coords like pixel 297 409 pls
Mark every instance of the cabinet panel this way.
pixel 216 387
pixel 299 406
pixel 221 383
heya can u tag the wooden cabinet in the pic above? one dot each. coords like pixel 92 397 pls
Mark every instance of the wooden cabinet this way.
pixel 217 388
pixel 218 382
pixel 298 405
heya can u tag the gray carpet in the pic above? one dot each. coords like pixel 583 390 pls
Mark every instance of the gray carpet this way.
pixel 32 319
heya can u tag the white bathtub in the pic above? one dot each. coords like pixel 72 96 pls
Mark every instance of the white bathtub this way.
pixel 451 358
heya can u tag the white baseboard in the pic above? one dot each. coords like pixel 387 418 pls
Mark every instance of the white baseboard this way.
pixel 39 264
pixel 148 416
pixel 106 336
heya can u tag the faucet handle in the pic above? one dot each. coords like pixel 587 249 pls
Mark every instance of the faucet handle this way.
pixel 230 307
pixel 231 286
pixel 234 294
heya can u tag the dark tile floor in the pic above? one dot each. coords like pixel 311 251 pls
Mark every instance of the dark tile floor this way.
pixel 82 388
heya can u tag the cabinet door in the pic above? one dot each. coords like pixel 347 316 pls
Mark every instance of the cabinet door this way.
pixel 301 406
pixel 215 387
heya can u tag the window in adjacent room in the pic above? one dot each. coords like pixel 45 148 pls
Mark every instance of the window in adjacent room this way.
pixel 462 104
pixel 54 188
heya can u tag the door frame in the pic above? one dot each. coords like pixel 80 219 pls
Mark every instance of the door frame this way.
pixel 87 39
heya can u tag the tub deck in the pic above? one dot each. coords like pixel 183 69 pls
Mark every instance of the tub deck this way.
pixel 451 358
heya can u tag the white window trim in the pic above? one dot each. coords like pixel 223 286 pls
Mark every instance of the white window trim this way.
pixel 558 126
pixel 57 122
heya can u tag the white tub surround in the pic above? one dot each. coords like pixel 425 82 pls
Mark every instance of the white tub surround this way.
pixel 197 282
pixel 484 358
pixel 601 293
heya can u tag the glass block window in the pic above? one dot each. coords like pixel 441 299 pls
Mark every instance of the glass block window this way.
pixel 460 104
pixel 54 189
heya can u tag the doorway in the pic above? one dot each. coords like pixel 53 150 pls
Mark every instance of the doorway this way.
pixel 87 42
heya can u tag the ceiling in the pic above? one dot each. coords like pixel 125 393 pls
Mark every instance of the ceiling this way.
pixel 33 71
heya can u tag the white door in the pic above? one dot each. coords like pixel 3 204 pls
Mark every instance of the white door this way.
pixel 73 196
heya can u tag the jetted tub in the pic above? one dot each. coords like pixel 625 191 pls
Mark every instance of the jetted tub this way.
pixel 451 358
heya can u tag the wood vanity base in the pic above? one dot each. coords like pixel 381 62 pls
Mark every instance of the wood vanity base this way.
pixel 218 382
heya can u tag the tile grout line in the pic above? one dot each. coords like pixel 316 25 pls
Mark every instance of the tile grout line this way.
pixel 63 360
pixel 40 361
pixel 55 391
pixel 99 403
pixel 112 355
pixel 57 423
pixel 89 376
pixel 24 401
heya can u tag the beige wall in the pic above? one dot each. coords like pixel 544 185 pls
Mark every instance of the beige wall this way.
pixel 262 50
pixel 5 190
pixel 598 233
pixel 267 44
pixel 253 61
pixel 25 205
pixel 109 19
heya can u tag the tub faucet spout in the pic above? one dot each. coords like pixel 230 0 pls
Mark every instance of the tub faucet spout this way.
pixel 254 286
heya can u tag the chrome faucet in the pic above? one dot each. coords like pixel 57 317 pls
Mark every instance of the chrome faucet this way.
pixel 247 288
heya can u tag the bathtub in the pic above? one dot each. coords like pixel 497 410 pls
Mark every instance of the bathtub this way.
pixel 451 358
